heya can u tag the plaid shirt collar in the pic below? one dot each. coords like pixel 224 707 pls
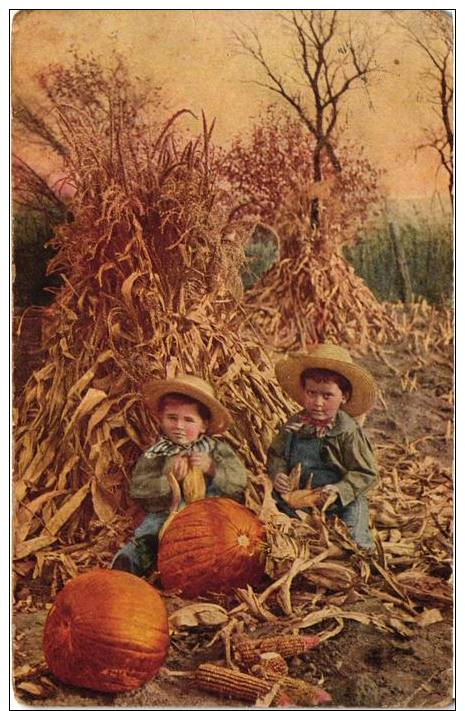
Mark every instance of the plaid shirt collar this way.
pixel 164 447
pixel 302 422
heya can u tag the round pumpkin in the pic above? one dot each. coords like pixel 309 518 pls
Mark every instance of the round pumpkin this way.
pixel 212 545
pixel 106 630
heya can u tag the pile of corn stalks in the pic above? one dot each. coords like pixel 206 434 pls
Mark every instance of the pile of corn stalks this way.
pixel 150 266
pixel 316 298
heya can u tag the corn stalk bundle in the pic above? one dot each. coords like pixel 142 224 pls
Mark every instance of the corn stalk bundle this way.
pixel 150 267
pixel 314 298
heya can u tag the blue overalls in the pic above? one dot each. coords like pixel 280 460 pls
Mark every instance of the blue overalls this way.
pixel 307 451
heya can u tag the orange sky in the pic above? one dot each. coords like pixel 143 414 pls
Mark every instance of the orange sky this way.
pixel 190 53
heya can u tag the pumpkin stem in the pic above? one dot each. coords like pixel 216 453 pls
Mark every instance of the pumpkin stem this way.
pixel 243 540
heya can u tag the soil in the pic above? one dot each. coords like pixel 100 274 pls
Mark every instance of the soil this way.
pixel 361 667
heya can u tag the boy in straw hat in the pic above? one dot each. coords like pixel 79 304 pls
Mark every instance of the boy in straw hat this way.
pixel 188 414
pixel 335 455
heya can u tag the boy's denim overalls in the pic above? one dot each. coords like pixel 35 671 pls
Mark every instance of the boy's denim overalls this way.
pixel 307 452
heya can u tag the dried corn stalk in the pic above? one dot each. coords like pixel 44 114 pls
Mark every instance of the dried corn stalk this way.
pixel 149 266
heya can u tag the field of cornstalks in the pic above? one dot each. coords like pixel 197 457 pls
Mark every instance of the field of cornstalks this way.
pixel 150 269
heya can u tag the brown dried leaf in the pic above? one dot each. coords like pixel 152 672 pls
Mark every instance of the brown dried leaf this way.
pixel 90 400
pixel 200 614
pixel 429 617
pixel 105 505
pixel 63 514
pixel 33 689
pixel 25 549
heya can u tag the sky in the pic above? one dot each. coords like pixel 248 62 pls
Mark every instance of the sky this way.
pixel 192 55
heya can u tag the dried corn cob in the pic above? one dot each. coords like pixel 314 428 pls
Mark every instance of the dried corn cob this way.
pixel 271 663
pixel 248 651
pixel 234 684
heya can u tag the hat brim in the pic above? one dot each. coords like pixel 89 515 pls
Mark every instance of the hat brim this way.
pixel 154 390
pixel 289 370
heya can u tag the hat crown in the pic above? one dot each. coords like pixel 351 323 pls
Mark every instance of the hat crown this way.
pixel 195 382
pixel 328 350
pixel 327 356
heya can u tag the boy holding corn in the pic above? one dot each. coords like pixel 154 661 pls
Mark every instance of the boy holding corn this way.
pixel 335 455
pixel 188 414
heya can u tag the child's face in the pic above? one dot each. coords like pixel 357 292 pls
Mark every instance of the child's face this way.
pixel 181 422
pixel 322 400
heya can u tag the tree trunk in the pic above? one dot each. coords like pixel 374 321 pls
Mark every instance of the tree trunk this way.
pixel 315 207
pixel 402 266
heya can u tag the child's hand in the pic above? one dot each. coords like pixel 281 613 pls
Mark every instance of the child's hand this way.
pixel 180 467
pixel 204 462
pixel 281 483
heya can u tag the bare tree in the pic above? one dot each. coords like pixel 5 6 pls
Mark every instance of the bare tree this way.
pixel 432 33
pixel 329 62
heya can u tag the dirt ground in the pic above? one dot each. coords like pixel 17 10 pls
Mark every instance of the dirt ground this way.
pixel 361 667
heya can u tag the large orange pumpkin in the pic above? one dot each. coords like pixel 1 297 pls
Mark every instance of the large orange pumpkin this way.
pixel 212 545
pixel 107 630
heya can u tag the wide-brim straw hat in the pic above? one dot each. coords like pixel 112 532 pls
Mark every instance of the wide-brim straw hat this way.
pixel 328 357
pixel 194 387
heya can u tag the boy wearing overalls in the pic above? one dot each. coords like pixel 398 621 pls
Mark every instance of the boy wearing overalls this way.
pixel 190 418
pixel 335 454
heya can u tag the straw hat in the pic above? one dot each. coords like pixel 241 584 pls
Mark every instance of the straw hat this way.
pixel 194 387
pixel 329 357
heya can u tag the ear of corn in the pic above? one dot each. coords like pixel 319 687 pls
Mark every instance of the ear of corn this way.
pixel 230 683
pixel 194 486
pixel 301 692
pixel 301 498
pixel 248 652
pixel 271 665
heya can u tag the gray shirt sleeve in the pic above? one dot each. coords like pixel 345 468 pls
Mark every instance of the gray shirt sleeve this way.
pixel 276 461
pixel 230 474
pixel 353 455
pixel 149 484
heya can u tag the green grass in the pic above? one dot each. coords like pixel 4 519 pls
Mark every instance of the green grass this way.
pixel 261 253
pixel 31 231
pixel 429 256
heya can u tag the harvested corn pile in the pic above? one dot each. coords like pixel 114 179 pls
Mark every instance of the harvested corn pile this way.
pixel 316 298
pixel 149 265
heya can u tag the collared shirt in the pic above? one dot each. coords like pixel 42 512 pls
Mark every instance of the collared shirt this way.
pixel 164 447
pixel 150 486
pixel 344 446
